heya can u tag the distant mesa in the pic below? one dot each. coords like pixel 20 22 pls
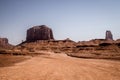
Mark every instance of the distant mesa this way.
pixel 41 32
pixel 109 35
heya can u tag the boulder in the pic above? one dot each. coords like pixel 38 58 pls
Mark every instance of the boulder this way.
pixel 41 32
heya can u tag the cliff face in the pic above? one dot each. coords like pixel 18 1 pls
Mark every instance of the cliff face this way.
pixel 39 33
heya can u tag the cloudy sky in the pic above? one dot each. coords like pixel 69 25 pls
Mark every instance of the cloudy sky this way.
pixel 75 19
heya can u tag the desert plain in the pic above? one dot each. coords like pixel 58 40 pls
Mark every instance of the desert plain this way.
pixel 57 67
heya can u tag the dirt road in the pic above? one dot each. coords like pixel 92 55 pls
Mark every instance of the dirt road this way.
pixel 62 67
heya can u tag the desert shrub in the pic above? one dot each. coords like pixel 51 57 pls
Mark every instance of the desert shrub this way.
pixel 2 51
pixel 118 44
pixel 30 49
pixel 96 53
pixel 105 44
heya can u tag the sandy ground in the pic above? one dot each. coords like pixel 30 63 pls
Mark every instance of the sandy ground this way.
pixel 62 67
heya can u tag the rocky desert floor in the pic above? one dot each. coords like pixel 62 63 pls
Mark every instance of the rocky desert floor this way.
pixel 57 67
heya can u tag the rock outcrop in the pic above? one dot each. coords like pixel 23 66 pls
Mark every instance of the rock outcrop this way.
pixel 109 35
pixel 4 43
pixel 41 32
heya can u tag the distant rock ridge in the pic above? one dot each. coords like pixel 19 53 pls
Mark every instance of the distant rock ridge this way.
pixel 40 38
pixel 109 35
pixel 41 32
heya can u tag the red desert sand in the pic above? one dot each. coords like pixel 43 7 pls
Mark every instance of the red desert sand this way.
pixel 61 67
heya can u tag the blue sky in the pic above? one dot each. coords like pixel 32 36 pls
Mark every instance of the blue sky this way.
pixel 75 19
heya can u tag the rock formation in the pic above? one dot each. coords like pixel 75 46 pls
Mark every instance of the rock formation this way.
pixel 109 35
pixel 41 32
pixel 4 43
